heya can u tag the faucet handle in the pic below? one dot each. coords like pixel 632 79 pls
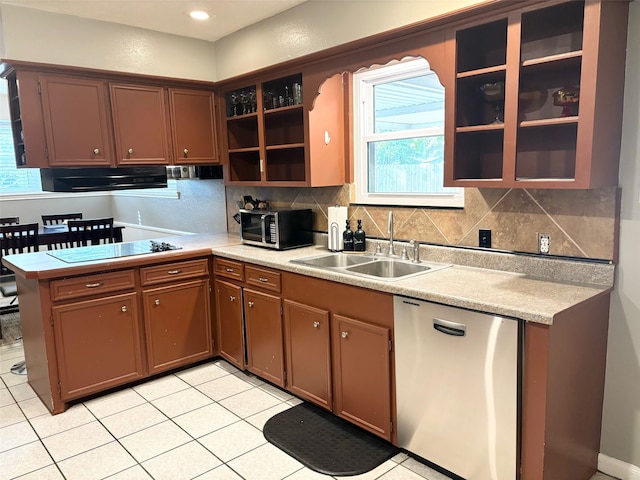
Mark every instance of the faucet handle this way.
pixel 416 251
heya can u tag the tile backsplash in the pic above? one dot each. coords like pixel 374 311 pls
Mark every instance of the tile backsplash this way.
pixel 581 223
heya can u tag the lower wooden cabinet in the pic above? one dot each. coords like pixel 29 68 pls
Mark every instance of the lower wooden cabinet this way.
pixel 177 324
pixel 98 344
pixel 230 322
pixel 263 324
pixel 362 374
pixel 308 350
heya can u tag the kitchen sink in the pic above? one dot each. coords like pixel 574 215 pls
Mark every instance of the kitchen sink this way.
pixel 389 268
pixel 335 260
pixel 371 266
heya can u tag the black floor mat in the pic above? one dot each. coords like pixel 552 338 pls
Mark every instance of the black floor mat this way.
pixel 326 443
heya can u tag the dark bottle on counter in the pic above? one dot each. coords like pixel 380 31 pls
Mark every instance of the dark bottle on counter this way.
pixel 359 238
pixel 347 238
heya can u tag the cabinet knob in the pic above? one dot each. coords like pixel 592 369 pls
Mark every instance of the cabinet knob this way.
pixel 232 298
pixel 130 151
pixel 344 334
pixel 124 308
pixel 250 304
pixel 186 152
pixel 327 138
pixel 96 151
pixel 157 301
pixel 316 324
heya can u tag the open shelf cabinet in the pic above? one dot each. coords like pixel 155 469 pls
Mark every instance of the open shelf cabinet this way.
pixel 509 125
pixel 268 132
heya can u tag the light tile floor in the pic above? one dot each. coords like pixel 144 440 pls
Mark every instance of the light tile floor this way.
pixel 205 423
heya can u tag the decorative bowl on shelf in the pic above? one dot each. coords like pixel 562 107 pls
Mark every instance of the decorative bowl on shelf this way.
pixel 566 98
pixel 493 93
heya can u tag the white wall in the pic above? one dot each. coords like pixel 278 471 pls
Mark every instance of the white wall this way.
pixel 30 208
pixel 319 24
pixel 621 422
pixel 38 36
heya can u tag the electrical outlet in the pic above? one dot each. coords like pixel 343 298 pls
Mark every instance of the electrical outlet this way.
pixel 543 243
pixel 484 238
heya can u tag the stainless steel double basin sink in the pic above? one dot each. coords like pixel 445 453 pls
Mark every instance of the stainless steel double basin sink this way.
pixel 378 267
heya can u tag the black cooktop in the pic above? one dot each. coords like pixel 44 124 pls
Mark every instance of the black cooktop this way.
pixel 110 250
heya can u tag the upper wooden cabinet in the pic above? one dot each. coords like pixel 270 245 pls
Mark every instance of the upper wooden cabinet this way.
pixel 278 132
pixel 193 126
pixel 507 123
pixel 76 121
pixel 140 124
pixel 74 117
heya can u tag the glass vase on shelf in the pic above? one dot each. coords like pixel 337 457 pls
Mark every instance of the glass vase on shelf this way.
pixel 493 93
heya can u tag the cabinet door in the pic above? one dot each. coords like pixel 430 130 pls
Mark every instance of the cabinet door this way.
pixel 308 352
pixel 192 126
pixel 178 325
pixel 263 321
pixel 76 120
pixel 98 344
pixel 230 330
pixel 140 125
pixel 362 374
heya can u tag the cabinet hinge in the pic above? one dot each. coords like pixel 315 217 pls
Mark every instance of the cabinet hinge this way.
pixel 281 311
pixel 59 389
pixel 284 376
pixel 51 320
pixel 39 89
pixel 390 427
pixel 390 345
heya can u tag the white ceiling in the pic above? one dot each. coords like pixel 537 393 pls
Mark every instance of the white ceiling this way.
pixel 168 16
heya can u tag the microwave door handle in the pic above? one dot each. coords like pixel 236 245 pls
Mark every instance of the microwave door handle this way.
pixel 263 225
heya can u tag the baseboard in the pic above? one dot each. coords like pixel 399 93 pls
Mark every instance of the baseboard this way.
pixel 617 468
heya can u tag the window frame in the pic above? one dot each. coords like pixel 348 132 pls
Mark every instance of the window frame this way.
pixel 363 83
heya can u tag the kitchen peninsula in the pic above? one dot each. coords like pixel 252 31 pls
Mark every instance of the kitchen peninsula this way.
pixel 564 322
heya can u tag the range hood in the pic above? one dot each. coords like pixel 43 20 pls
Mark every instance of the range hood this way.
pixel 97 179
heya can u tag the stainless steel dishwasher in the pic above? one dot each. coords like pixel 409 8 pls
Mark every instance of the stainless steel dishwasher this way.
pixel 457 386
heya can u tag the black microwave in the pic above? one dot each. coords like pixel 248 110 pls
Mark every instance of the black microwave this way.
pixel 279 229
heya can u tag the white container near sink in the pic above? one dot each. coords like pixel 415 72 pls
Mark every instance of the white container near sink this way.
pixel 337 221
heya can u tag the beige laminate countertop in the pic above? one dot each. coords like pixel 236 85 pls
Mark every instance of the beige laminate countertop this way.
pixel 528 297
pixel 502 293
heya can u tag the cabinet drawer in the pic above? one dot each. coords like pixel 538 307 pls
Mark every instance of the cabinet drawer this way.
pixel 263 278
pixel 173 271
pixel 87 285
pixel 228 268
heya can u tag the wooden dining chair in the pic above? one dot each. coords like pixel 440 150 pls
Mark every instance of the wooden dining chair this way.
pixel 91 232
pixel 61 218
pixel 9 220
pixel 15 238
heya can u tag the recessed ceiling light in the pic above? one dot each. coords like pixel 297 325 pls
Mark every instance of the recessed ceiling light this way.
pixel 199 15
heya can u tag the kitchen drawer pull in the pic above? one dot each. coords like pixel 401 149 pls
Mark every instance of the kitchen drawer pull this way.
pixel 316 324
pixel 93 285
pixel 344 334
pixel 250 304
pixel 228 269
pixel 157 301
pixel 124 308
pixel 174 272
pixel 130 151
pixel 450 328
pixel 96 151
pixel 263 280
pixel 232 298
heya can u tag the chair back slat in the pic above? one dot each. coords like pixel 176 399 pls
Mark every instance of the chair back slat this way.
pixel 61 218
pixel 9 220
pixel 90 232
pixel 20 238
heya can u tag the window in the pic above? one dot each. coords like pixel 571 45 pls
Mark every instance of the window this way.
pixel 399 136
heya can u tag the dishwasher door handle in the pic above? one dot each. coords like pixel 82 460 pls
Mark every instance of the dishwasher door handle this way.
pixel 450 328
